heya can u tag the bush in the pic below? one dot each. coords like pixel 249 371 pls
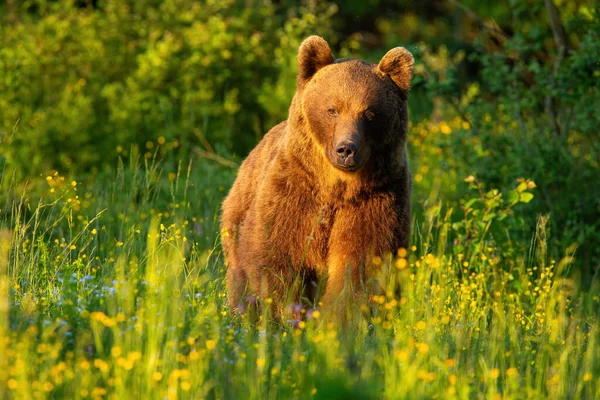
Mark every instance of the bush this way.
pixel 80 85
pixel 529 108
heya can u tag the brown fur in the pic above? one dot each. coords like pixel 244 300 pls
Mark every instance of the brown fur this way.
pixel 292 215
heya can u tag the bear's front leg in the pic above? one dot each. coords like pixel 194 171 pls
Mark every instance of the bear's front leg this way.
pixel 346 279
pixel 360 238
pixel 350 268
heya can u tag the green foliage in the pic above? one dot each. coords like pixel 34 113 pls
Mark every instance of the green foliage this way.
pixel 82 85
pixel 481 211
pixel 529 104
pixel 547 98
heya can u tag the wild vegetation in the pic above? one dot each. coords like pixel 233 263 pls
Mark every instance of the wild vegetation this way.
pixel 121 127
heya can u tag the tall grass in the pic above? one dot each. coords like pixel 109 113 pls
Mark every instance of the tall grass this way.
pixel 114 288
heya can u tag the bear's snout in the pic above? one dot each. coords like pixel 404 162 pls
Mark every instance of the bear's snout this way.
pixel 346 155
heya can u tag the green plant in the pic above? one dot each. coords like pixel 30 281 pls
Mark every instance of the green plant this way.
pixel 526 99
pixel 80 86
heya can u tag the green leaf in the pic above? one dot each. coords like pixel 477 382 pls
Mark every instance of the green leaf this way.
pixel 526 197
pixel 513 197
pixel 469 203
pixel 489 217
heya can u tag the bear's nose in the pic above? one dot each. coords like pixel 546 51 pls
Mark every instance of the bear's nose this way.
pixel 346 150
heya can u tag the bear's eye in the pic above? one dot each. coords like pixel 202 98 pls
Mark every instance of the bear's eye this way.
pixel 369 115
pixel 332 112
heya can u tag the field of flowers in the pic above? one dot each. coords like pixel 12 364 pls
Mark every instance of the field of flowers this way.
pixel 113 288
pixel 122 123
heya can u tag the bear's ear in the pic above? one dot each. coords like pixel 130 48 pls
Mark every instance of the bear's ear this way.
pixel 398 64
pixel 314 54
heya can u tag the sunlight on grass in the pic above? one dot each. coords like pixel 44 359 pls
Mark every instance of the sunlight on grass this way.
pixel 112 292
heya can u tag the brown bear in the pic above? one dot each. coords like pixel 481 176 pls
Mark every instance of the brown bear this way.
pixel 326 194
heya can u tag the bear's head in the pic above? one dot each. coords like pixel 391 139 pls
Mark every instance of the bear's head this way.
pixel 356 111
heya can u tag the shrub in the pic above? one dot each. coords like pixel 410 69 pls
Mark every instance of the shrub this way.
pixel 528 99
pixel 80 85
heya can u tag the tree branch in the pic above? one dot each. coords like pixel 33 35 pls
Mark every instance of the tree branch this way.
pixel 556 25
pixel 484 24
pixel 561 46
pixel 215 157
pixel 209 153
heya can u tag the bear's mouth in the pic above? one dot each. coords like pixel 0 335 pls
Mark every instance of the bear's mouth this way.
pixel 350 167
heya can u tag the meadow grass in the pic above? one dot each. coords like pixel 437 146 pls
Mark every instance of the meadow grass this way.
pixel 114 288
